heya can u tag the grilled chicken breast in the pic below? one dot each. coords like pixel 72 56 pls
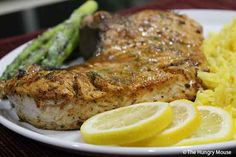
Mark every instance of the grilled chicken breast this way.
pixel 147 56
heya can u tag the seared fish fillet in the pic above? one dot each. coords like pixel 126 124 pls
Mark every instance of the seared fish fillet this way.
pixel 147 56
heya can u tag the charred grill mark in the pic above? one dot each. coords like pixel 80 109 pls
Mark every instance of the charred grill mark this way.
pixel 187 85
pixel 198 31
pixel 181 22
pixel 21 73
pixel 50 76
pixel 75 85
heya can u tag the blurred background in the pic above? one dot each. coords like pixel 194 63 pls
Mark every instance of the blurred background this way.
pixel 24 16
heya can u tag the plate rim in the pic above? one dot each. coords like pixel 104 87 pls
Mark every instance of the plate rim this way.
pixel 83 147
pixel 112 149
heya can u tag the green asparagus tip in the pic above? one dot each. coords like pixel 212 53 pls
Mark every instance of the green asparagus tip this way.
pixel 87 8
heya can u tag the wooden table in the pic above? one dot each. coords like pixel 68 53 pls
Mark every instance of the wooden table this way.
pixel 14 145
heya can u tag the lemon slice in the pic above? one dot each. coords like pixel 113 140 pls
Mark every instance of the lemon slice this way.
pixel 127 124
pixel 186 119
pixel 216 126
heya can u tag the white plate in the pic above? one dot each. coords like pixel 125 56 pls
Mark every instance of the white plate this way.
pixel 212 20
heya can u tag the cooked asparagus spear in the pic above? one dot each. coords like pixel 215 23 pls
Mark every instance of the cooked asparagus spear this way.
pixel 61 48
pixel 66 39
pixel 32 47
pixel 36 56
pixel 53 46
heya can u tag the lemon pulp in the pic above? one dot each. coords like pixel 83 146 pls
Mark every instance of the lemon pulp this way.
pixel 216 126
pixel 127 124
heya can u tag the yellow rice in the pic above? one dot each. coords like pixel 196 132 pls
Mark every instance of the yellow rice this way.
pixel 220 51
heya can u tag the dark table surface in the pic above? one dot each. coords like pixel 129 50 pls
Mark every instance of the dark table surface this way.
pixel 14 145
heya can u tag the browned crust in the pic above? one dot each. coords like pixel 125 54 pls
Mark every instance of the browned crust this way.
pixel 138 54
